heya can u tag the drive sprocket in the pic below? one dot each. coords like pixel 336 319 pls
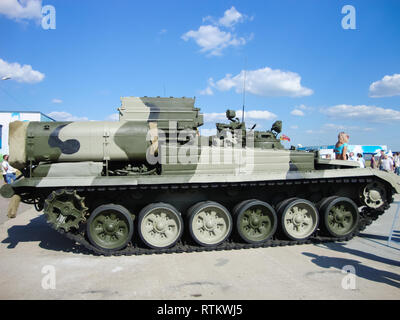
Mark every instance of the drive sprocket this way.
pixel 65 209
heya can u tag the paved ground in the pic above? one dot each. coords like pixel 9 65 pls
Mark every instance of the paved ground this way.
pixel 31 252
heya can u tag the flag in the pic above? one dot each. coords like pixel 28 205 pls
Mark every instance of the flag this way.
pixel 284 137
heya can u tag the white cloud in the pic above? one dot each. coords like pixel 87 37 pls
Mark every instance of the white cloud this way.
pixel 212 40
pixel 113 117
pixel 20 73
pixel 265 82
pixel 256 115
pixel 362 112
pixel 297 112
pixel 341 127
pixel 210 19
pixel 22 9
pixel 214 116
pixel 304 107
pixel 387 87
pixel 65 116
pixel 208 132
pixel 56 101
pixel 162 31
pixel 207 92
pixel 294 127
pixel 230 18
pixel 300 110
pixel 329 128
pixel 251 114
pixel 334 126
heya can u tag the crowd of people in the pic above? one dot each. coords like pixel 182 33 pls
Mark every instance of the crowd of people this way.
pixel 384 161
pixel 387 161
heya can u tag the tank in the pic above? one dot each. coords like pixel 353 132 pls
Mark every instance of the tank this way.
pixel 150 183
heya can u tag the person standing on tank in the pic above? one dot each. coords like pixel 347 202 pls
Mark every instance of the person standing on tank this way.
pixel 341 146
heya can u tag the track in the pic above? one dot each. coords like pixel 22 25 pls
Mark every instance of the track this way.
pixel 367 216
pixel 182 246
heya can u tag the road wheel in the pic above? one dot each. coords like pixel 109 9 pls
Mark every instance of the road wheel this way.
pixel 110 227
pixel 160 225
pixel 340 216
pixel 256 221
pixel 283 203
pixel 299 219
pixel 209 223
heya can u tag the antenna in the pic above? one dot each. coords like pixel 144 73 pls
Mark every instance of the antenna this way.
pixel 244 88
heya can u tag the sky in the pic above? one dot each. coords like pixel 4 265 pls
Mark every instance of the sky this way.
pixel 319 66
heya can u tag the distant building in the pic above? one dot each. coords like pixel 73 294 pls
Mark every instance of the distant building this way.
pixel 8 116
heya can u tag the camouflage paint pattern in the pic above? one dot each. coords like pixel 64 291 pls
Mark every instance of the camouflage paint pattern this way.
pixel 73 153
pixel 125 140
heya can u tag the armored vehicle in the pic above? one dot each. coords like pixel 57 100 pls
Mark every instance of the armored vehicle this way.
pixel 150 183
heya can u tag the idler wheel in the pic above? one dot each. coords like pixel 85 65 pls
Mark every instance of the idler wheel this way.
pixel 160 225
pixel 209 223
pixel 299 219
pixel 255 221
pixel 110 227
pixel 374 195
pixel 340 216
